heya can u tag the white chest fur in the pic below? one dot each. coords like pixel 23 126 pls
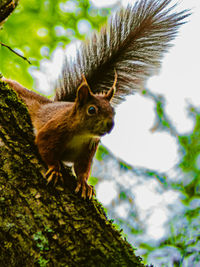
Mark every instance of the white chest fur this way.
pixel 78 143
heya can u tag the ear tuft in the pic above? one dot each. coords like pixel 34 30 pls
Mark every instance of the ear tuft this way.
pixel 83 92
pixel 112 90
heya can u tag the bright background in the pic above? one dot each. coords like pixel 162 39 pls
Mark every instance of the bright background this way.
pixel 178 82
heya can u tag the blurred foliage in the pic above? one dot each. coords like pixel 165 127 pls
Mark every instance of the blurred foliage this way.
pixel 181 245
pixel 37 27
pixel 101 153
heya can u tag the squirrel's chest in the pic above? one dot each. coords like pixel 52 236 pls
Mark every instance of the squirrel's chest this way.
pixel 78 146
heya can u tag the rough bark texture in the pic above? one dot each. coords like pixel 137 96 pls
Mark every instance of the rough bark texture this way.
pixel 6 8
pixel 41 225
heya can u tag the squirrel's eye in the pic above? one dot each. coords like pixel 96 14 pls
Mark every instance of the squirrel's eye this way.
pixel 91 110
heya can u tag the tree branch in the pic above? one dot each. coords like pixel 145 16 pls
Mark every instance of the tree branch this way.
pixel 6 8
pixel 15 52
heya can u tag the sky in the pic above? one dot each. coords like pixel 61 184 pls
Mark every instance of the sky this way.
pixel 178 82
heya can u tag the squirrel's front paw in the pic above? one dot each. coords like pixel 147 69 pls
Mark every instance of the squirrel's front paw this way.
pixel 87 190
pixel 54 174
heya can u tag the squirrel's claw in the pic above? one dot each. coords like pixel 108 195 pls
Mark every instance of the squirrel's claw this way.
pixel 53 174
pixel 90 191
pixel 87 190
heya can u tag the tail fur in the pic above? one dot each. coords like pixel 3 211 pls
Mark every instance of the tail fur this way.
pixel 133 44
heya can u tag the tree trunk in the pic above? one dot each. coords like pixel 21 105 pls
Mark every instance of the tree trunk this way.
pixel 43 225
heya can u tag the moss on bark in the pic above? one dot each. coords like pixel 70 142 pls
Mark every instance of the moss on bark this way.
pixel 41 225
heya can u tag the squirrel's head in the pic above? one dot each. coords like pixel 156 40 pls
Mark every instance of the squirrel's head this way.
pixel 95 111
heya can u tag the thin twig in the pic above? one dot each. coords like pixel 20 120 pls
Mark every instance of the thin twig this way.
pixel 15 52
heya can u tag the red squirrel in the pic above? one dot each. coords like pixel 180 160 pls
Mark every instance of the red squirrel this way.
pixel 69 131
pixel 69 127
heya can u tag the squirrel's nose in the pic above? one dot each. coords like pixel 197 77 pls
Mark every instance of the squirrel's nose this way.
pixel 109 125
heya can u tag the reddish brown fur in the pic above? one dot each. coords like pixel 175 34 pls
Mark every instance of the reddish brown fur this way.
pixel 66 131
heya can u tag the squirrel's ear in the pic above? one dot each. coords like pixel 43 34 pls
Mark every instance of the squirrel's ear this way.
pixel 110 93
pixel 112 90
pixel 83 92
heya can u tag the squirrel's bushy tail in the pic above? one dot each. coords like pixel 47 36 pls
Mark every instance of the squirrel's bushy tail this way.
pixel 133 43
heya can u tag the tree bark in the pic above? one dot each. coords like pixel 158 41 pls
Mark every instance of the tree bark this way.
pixel 6 8
pixel 43 225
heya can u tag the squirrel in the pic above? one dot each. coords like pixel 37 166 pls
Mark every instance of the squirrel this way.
pixel 128 50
